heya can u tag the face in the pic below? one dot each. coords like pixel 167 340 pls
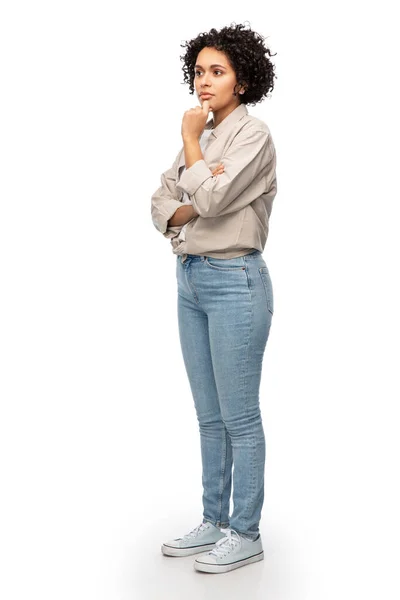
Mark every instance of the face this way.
pixel 214 74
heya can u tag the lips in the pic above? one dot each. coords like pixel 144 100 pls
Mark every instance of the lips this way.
pixel 206 94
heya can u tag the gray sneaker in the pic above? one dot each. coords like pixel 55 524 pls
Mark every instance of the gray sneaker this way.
pixel 230 553
pixel 201 539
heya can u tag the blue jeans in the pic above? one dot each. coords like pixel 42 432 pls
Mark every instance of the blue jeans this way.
pixel 225 309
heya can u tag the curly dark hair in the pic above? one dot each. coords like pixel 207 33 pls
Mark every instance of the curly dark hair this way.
pixel 246 53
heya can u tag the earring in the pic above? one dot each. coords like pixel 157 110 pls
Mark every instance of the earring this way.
pixel 242 92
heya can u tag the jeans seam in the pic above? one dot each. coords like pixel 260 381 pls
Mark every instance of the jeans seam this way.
pixel 246 390
pixel 223 468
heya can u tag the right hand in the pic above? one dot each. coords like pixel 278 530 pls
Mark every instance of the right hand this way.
pixel 219 169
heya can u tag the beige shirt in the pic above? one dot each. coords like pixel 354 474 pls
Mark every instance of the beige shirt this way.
pixel 234 207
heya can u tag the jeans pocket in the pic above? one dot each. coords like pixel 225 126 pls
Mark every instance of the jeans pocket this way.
pixel 267 283
pixel 225 264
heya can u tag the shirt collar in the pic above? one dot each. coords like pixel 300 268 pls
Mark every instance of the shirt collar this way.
pixel 235 115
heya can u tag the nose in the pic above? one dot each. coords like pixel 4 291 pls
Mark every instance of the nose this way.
pixel 205 83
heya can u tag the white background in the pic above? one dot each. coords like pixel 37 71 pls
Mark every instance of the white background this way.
pixel 100 449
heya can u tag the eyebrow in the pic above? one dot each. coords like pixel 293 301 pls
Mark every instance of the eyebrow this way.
pixel 211 66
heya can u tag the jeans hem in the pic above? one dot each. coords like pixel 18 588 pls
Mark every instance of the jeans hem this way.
pixel 216 523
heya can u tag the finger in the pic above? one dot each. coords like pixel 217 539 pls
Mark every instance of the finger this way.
pixel 206 106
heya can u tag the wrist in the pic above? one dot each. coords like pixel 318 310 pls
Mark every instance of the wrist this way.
pixel 190 139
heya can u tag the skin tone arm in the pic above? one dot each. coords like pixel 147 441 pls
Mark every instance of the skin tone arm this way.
pixel 182 216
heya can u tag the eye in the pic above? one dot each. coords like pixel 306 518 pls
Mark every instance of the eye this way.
pixel 215 71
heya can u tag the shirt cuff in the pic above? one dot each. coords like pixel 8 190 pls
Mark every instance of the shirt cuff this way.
pixel 164 213
pixel 192 178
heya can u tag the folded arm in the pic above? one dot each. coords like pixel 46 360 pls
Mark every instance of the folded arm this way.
pixel 164 203
pixel 248 172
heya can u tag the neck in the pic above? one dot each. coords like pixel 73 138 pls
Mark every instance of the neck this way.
pixel 220 114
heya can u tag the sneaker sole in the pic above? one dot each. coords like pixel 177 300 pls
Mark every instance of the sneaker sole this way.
pixel 212 568
pixel 172 551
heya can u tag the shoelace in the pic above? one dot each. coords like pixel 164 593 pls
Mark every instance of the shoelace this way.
pixel 227 543
pixel 195 531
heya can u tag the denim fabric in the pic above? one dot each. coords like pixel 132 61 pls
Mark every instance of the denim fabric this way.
pixel 225 309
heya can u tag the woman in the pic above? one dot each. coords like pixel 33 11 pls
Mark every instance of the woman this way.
pixel 214 205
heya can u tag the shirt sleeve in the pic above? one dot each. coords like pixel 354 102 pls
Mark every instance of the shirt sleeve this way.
pixel 248 173
pixel 164 203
